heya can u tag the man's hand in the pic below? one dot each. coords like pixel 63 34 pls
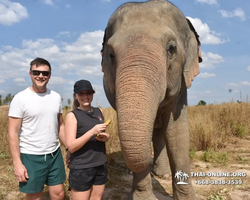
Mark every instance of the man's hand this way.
pixel 68 158
pixel 21 173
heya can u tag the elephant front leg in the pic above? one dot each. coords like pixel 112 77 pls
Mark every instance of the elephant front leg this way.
pixel 178 151
pixel 160 162
pixel 142 186
pixel 177 142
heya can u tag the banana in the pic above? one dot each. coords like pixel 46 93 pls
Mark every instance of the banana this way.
pixel 107 123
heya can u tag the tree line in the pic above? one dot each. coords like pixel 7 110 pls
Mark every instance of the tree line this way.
pixel 6 101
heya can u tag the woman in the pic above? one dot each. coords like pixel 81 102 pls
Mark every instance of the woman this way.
pixel 85 139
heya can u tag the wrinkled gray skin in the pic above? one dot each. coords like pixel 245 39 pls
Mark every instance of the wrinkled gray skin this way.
pixel 150 57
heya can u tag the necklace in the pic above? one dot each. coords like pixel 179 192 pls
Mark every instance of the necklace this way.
pixel 91 110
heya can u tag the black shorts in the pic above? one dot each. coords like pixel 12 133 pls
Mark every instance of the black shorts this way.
pixel 84 179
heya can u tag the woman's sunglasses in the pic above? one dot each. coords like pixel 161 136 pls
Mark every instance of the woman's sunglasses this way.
pixel 37 73
pixel 88 93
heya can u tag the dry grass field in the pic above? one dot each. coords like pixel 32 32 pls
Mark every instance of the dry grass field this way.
pixel 219 142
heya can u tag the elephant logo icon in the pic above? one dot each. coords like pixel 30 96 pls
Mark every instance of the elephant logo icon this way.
pixel 182 177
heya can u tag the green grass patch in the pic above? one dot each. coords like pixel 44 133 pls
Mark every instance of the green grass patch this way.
pixel 215 157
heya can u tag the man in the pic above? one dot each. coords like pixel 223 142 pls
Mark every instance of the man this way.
pixel 35 126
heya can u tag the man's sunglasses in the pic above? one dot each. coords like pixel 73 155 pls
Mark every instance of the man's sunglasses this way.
pixel 37 73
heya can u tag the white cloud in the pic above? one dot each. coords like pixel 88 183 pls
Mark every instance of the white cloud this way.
pixel 198 95
pixel 55 80
pixel 19 80
pixel 238 12
pixel 232 84
pixel 74 48
pixel 91 70
pixel 79 58
pixel 248 68
pixel 70 61
pixel 214 57
pixel 2 80
pixel 210 2
pixel 8 48
pixel 208 92
pixel 87 42
pixel 68 6
pixel 237 85
pixel 64 33
pixel 206 35
pixel 210 60
pixel 11 12
pixel 42 43
pixel 97 88
pixel 245 83
pixel 48 2
pixel 13 62
pixel 206 75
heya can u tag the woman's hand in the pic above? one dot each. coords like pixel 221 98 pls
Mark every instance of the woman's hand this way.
pixel 99 128
pixel 102 137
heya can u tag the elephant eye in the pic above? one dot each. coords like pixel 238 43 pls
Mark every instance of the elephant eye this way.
pixel 171 49
pixel 111 56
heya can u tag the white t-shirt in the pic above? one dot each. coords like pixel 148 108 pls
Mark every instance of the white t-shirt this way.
pixel 39 112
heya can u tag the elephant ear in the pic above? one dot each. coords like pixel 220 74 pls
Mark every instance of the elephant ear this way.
pixel 103 41
pixel 108 77
pixel 193 56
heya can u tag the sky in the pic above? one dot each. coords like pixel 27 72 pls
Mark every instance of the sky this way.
pixel 69 33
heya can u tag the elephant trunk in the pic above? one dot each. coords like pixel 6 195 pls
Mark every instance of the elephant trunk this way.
pixel 140 87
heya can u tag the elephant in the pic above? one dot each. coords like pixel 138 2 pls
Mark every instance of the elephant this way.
pixel 150 56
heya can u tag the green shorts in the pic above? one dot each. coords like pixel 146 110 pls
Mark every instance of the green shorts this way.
pixel 42 169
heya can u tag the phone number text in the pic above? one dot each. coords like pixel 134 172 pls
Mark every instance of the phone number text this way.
pixel 218 182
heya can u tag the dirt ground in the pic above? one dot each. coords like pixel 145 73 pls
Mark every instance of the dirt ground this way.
pixel 239 157
pixel 238 162
pixel 204 192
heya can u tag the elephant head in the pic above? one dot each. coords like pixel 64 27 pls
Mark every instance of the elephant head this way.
pixel 150 55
